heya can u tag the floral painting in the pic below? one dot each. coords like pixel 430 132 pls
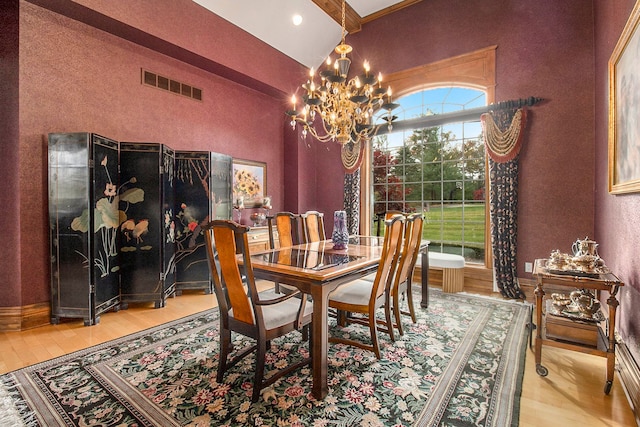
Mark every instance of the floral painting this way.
pixel 249 183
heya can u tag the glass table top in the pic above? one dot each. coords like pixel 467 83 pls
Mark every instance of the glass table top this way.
pixel 306 258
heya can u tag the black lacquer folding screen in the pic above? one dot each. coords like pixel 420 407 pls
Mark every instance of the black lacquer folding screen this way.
pixel 147 252
pixel 83 221
pixel 125 222
pixel 203 193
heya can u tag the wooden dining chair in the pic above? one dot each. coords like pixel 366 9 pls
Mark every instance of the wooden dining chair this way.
pixel 312 226
pixel 382 217
pixel 287 227
pixel 366 297
pixel 404 272
pixel 263 316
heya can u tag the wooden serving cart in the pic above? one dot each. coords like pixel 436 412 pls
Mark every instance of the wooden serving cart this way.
pixel 605 281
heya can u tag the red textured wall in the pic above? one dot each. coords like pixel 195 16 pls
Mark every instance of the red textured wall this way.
pixel 205 38
pixel 616 219
pixel 74 77
pixel 10 293
pixel 545 49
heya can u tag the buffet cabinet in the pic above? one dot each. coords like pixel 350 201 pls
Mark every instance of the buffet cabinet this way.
pixel 203 193
pixel 147 199
pixel 258 238
pixel 83 224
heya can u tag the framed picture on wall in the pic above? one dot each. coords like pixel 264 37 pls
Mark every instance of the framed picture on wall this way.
pixel 249 183
pixel 624 109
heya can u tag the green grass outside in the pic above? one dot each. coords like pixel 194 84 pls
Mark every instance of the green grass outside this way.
pixel 450 225
pixel 445 225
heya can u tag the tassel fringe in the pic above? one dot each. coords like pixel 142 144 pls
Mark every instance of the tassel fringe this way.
pixel 503 146
pixel 14 410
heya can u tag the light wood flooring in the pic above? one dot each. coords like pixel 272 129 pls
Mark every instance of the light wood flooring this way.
pixel 571 395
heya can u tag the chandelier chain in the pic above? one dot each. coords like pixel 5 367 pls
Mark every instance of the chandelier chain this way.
pixel 343 22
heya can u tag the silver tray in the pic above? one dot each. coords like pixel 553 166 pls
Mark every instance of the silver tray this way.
pixel 593 273
pixel 577 273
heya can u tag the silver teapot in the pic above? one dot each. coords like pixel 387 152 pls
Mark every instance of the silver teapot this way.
pixel 585 247
pixel 584 302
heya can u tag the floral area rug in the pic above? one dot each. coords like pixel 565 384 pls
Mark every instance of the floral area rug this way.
pixel 461 364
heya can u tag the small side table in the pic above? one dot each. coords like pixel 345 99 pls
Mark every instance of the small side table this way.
pixel 603 282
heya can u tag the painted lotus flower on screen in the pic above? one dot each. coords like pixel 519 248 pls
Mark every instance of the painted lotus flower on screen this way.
pixel 107 219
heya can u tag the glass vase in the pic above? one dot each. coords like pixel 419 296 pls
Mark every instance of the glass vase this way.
pixel 340 235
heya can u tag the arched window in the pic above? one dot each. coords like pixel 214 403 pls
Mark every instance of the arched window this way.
pixel 438 168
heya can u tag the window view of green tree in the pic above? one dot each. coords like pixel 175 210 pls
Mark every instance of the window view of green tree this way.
pixel 442 175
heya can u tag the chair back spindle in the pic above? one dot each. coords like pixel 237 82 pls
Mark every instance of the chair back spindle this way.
pixel 229 274
pixel 411 246
pixel 390 254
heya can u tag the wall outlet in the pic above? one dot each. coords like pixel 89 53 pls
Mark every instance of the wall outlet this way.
pixel 528 267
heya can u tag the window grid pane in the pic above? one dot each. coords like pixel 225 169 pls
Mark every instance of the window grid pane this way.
pixel 438 171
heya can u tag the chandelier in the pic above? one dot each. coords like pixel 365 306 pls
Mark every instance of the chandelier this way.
pixel 345 106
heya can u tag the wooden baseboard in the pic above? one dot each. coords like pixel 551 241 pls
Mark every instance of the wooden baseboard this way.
pixel 25 317
pixel 528 286
pixel 629 374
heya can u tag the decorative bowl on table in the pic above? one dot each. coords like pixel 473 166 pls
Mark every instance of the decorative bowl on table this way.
pixel 258 218
pixel 586 263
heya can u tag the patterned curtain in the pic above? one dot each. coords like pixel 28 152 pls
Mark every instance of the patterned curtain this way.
pixel 352 200
pixel 503 138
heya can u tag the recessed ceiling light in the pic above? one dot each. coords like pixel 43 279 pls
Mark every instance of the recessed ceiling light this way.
pixel 297 19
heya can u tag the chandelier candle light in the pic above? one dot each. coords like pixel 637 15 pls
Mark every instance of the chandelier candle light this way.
pixel 345 106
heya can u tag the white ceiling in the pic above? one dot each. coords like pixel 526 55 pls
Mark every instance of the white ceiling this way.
pixel 271 21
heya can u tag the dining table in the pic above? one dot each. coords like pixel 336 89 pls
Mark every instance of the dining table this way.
pixel 317 269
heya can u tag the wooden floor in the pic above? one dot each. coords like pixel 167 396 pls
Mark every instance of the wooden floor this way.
pixel 571 395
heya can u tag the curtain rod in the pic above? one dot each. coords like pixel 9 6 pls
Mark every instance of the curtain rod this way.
pixel 457 116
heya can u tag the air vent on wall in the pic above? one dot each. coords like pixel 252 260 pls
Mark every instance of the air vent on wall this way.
pixel 165 83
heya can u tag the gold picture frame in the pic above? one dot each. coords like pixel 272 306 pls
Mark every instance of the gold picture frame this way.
pixel 624 109
pixel 249 183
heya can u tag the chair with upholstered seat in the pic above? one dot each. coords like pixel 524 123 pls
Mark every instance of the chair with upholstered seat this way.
pixel 404 272
pixel 243 310
pixel 312 226
pixel 366 297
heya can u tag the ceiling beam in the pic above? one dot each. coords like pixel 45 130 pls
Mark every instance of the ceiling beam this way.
pixel 333 8
pixel 353 21
pixel 388 10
